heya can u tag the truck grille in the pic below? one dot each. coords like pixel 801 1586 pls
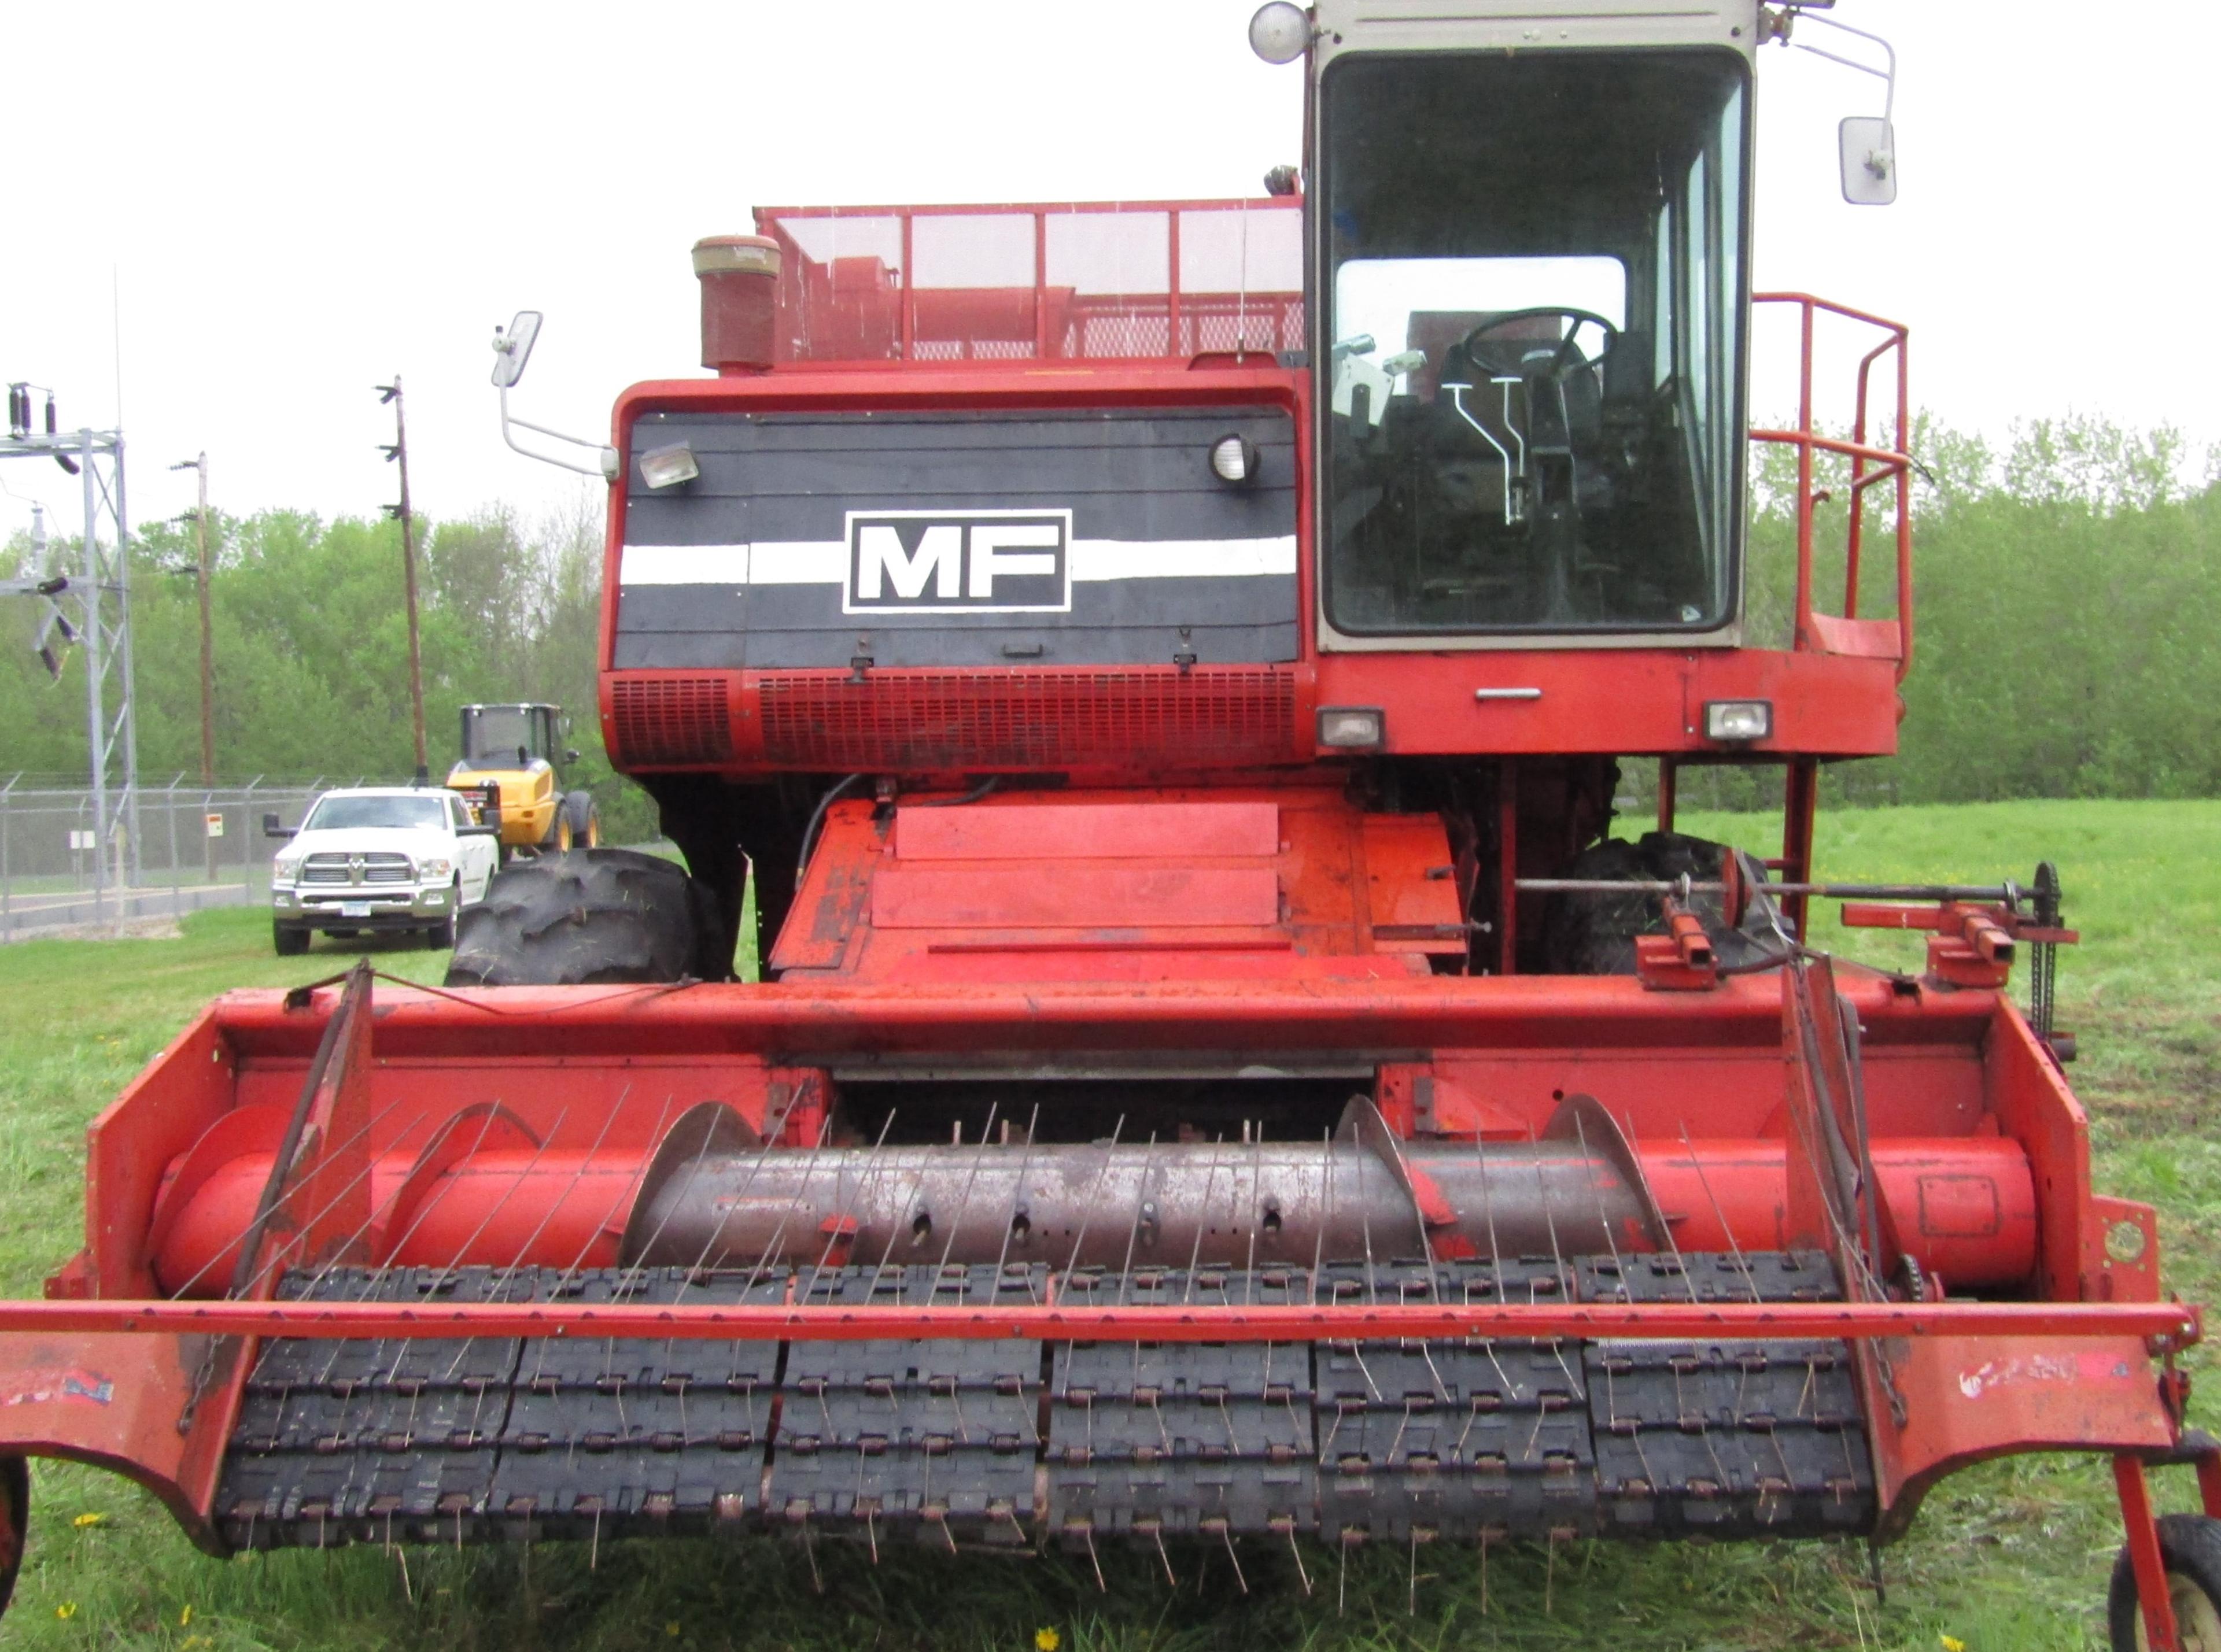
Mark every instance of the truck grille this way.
pixel 332 868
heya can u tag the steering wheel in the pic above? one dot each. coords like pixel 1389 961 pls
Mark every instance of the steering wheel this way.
pixel 1568 354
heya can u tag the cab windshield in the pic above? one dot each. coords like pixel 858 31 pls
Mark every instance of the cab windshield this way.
pixel 1534 340
pixel 513 734
pixel 397 813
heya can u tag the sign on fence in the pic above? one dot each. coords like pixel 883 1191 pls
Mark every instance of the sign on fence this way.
pixel 214 825
pixel 81 839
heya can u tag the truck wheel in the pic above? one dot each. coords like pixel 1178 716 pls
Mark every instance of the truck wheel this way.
pixel 288 941
pixel 440 937
pixel 2190 1547
pixel 14 1521
pixel 592 915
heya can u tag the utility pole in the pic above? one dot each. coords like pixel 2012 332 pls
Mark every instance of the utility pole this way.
pixel 207 629
pixel 103 586
pixel 398 451
pixel 207 658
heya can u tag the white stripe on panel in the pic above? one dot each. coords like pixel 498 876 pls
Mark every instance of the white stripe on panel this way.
pixel 825 562
pixel 683 564
pixel 1107 559
pixel 799 562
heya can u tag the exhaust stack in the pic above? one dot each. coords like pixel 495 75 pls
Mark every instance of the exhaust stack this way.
pixel 740 301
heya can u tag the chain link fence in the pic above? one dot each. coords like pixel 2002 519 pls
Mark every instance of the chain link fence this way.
pixel 196 846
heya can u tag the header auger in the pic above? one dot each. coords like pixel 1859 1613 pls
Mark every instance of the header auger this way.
pixel 1209 1077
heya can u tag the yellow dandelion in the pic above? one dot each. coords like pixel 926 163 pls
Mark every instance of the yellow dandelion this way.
pixel 671 1629
pixel 1047 1640
pixel 89 1517
pixel 1952 1643
pixel 67 1611
pixel 185 1617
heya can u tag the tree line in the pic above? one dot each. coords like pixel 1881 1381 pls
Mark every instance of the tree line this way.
pixel 2066 582
pixel 312 647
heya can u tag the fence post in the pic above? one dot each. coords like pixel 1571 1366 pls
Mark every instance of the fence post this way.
pixel 176 897
pixel 7 886
pixel 246 861
pixel 77 861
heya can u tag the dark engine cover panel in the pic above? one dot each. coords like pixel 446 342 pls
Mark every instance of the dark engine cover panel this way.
pixel 1096 538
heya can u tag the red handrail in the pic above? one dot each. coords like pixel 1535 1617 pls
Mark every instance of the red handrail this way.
pixel 1870 463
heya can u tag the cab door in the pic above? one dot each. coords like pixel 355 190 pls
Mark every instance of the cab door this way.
pixel 478 856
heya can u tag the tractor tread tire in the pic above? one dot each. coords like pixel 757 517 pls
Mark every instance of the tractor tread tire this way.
pixel 1593 933
pixel 585 819
pixel 590 917
pixel 2190 1546
pixel 14 1521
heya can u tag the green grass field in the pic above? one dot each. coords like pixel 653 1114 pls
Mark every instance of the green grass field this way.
pixel 2013 1556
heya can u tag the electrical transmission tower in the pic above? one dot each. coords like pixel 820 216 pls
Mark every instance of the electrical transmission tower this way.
pixel 99 588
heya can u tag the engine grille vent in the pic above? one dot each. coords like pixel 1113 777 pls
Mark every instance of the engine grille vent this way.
pixel 1047 719
pixel 672 720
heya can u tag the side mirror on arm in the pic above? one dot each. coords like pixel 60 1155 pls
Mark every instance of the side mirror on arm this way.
pixel 477 831
pixel 511 350
pixel 1869 160
pixel 272 829
pixel 1868 143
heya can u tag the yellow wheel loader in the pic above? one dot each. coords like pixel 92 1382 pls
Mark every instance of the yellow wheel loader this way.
pixel 509 773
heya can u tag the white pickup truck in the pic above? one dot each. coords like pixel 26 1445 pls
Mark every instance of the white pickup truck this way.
pixel 379 860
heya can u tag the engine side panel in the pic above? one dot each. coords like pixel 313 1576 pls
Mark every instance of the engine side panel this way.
pixel 1039 538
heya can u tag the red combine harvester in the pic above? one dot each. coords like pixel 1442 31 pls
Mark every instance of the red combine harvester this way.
pixel 1213 1080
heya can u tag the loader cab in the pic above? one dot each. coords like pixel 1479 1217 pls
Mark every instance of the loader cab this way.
pixel 512 736
pixel 1531 283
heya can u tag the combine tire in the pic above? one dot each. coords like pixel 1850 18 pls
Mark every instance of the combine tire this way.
pixel 2190 1546
pixel 1593 934
pixel 14 1521
pixel 592 915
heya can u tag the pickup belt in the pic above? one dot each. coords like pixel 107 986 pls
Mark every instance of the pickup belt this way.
pixel 1017 1443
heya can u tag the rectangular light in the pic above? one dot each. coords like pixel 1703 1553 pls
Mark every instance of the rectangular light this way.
pixel 1352 728
pixel 666 467
pixel 1738 720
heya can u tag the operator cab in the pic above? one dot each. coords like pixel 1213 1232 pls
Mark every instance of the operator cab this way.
pixel 503 735
pixel 1533 285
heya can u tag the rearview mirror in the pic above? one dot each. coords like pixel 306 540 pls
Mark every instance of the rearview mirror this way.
pixel 513 349
pixel 1869 158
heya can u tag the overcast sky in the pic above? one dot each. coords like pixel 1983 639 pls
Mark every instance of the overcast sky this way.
pixel 294 202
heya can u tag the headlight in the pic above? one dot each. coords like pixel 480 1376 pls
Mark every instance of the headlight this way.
pixel 1279 32
pixel 1352 728
pixel 666 467
pixel 1735 721
pixel 284 867
pixel 438 867
pixel 1234 459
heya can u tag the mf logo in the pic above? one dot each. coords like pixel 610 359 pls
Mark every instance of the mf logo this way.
pixel 959 562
